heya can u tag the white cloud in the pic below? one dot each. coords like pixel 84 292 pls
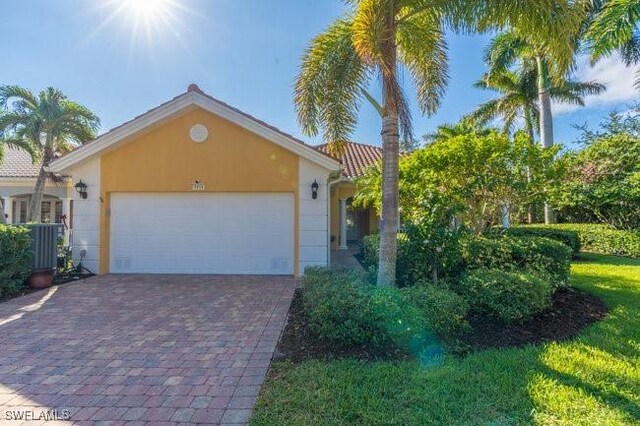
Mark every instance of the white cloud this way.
pixel 611 72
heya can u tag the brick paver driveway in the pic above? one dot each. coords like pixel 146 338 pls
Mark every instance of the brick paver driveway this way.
pixel 140 348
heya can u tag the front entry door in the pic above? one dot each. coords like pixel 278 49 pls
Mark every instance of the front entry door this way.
pixel 357 222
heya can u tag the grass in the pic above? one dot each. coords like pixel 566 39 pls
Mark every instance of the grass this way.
pixel 591 380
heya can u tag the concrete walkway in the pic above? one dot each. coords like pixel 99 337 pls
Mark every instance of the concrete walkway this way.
pixel 345 259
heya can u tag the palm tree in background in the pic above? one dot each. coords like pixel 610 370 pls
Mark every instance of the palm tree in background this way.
pixel 463 127
pixel 615 28
pixel 553 59
pixel 49 124
pixel 381 38
pixel 518 100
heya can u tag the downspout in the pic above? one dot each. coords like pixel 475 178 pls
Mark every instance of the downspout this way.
pixel 330 183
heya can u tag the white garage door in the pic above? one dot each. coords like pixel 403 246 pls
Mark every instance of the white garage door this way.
pixel 202 233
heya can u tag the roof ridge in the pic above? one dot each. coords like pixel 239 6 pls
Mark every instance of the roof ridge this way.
pixel 350 143
pixel 194 90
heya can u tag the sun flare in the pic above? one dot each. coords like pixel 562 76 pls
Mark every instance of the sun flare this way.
pixel 143 22
pixel 148 10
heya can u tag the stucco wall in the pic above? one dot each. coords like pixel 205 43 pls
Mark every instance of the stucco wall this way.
pixel 14 187
pixel 86 215
pixel 313 219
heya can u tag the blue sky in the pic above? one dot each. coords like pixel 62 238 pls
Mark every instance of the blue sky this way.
pixel 245 52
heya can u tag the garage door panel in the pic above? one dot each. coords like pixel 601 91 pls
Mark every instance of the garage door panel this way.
pixel 202 233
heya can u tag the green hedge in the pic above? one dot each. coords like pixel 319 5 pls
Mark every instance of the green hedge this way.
pixel 549 259
pixel 566 236
pixel 601 238
pixel 405 263
pixel 507 296
pixel 344 308
pixel 445 311
pixel 15 258
pixel 415 259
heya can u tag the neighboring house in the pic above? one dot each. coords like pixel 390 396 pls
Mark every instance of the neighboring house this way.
pixel 197 186
pixel 348 223
pixel 18 177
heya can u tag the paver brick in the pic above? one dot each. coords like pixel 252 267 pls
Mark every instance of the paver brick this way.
pixel 144 348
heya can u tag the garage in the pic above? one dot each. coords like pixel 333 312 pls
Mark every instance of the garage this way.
pixel 207 233
pixel 196 186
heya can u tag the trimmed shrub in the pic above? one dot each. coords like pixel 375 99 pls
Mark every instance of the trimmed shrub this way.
pixel 504 295
pixel 421 249
pixel 601 238
pixel 568 237
pixel 15 258
pixel 344 308
pixel 549 259
pixel 405 261
pixel 444 310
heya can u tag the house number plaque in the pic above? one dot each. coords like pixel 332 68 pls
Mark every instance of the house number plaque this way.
pixel 197 186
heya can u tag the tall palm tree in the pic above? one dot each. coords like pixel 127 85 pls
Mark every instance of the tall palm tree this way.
pixel 616 28
pixel 553 60
pixel 518 100
pixel 49 124
pixel 381 38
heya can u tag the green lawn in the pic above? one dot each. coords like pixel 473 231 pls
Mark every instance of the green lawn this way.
pixel 591 380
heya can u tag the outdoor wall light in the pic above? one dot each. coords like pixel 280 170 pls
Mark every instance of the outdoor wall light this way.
pixel 314 189
pixel 81 188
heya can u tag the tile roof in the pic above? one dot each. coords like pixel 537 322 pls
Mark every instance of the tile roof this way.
pixel 17 164
pixel 356 158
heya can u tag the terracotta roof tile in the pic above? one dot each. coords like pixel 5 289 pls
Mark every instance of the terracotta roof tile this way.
pixel 357 158
pixel 17 164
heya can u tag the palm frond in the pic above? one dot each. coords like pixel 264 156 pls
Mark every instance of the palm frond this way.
pixel 630 51
pixel 24 98
pixel 613 27
pixel 504 50
pixel 20 144
pixel 328 87
pixel 423 50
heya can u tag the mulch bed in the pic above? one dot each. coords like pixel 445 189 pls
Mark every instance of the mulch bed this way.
pixel 571 311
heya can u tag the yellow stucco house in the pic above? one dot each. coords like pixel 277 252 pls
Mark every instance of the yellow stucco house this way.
pixel 197 186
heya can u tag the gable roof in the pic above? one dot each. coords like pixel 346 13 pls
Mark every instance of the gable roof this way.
pixel 357 158
pixel 193 97
pixel 18 164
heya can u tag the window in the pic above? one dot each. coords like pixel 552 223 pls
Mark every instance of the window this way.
pixel 19 211
pixel 58 212
pixel 51 212
pixel 45 216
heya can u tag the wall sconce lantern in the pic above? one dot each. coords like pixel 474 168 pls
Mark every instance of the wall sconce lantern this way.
pixel 314 189
pixel 81 188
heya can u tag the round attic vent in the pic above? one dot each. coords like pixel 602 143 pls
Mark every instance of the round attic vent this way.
pixel 198 133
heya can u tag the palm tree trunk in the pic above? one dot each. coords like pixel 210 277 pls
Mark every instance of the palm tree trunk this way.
pixel 389 219
pixel 531 208
pixel 35 214
pixel 390 158
pixel 3 220
pixel 546 119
